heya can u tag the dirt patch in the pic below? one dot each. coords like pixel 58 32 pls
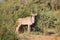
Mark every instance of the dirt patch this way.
pixel 38 37
pixel 58 38
pixel 41 38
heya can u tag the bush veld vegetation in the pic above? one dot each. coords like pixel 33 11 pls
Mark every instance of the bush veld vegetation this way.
pixel 10 10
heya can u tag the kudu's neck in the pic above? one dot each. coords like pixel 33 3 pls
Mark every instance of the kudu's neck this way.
pixel 33 19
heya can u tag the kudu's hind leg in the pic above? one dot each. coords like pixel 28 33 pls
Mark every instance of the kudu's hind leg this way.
pixel 17 29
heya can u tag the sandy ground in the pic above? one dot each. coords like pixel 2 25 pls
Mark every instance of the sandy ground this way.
pixel 38 37
pixel 46 38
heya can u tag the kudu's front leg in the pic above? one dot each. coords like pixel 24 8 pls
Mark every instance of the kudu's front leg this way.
pixel 28 28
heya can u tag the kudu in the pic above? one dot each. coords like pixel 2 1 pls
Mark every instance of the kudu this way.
pixel 26 21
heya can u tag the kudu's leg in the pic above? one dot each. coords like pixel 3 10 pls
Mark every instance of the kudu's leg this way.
pixel 28 28
pixel 17 29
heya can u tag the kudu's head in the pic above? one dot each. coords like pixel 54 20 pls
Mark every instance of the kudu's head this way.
pixel 33 14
